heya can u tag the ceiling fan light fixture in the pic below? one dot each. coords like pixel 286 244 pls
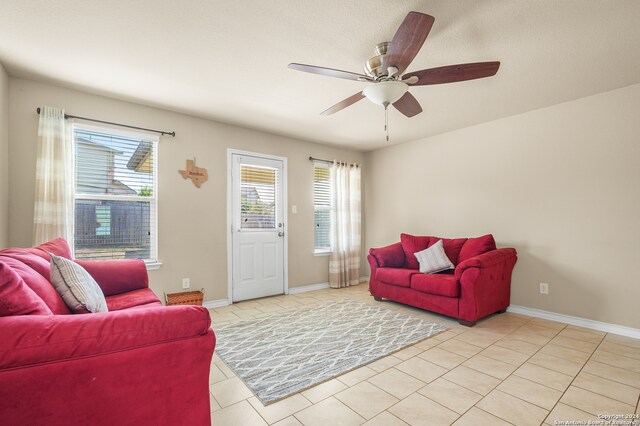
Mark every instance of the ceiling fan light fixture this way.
pixel 385 92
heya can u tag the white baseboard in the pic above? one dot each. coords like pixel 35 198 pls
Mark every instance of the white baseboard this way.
pixel 211 304
pixel 310 287
pixel 319 286
pixel 580 322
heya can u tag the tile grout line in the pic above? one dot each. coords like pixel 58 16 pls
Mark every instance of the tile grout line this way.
pixel 491 414
pixel 391 414
pixel 624 344
pixel 560 358
pixel 494 388
pixel 258 413
pixel 574 379
pixel 622 355
pixel 536 383
pixel 425 385
pixel 514 396
pixel 466 411
pixel 412 393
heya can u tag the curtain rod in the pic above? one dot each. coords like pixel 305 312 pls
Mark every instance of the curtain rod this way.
pixel 173 134
pixel 320 160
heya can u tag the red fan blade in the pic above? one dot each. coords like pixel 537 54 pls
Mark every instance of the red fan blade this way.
pixel 408 105
pixel 453 73
pixel 408 40
pixel 343 104
pixel 329 72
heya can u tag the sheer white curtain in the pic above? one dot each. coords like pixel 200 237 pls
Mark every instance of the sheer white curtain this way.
pixel 53 206
pixel 344 261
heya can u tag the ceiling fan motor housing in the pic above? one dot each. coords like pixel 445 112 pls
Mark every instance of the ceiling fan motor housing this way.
pixel 373 67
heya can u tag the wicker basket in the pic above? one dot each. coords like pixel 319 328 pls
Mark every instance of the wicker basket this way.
pixel 185 298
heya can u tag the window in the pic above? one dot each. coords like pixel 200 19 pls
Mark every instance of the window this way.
pixel 321 206
pixel 258 197
pixel 115 194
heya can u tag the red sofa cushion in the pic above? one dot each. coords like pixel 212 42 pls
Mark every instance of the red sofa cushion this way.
pixel 16 298
pixel 476 246
pixel 440 284
pixel 23 263
pixel 452 247
pixel 412 244
pixel 59 247
pixel 143 297
pixel 396 276
pixel 390 256
pixel 32 260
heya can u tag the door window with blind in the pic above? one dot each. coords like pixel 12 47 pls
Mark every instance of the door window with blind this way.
pixel 321 206
pixel 258 197
pixel 115 194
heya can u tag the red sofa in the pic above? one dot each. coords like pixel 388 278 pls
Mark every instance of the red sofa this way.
pixel 479 286
pixel 140 363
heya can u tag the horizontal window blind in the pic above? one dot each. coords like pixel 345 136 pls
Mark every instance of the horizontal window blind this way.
pixel 321 205
pixel 115 199
pixel 258 197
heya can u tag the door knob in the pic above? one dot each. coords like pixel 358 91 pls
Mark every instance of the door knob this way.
pixel 280 234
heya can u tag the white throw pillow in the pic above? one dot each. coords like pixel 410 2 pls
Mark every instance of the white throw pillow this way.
pixel 433 259
pixel 77 288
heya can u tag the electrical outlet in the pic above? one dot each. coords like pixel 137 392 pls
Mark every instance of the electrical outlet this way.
pixel 186 283
pixel 544 288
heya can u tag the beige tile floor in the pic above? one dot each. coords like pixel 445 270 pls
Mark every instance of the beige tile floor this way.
pixel 508 369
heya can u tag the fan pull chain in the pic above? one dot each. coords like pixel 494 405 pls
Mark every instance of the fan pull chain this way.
pixel 386 121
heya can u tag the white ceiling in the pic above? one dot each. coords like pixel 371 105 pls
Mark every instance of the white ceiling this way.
pixel 227 60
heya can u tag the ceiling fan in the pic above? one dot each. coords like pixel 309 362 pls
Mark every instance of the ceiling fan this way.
pixel 385 70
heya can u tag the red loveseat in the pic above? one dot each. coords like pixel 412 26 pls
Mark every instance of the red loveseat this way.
pixel 140 363
pixel 479 286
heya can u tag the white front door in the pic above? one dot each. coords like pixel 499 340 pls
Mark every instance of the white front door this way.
pixel 257 226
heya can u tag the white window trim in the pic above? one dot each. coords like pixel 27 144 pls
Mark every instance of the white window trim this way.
pixel 151 264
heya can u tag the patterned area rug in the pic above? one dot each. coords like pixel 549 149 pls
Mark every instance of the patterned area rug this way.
pixel 285 353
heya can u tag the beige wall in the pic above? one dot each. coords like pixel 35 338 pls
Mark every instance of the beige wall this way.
pixel 192 222
pixel 560 184
pixel 4 157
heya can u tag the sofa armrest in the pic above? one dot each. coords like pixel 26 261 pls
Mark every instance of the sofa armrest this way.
pixel 391 256
pixel 35 339
pixel 485 283
pixel 485 260
pixel 117 276
pixel 373 262
pixel 373 283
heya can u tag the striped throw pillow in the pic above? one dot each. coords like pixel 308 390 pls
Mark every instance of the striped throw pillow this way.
pixel 433 259
pixel 78 289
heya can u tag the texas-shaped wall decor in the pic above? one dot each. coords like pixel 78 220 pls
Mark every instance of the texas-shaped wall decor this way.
pixel 198 175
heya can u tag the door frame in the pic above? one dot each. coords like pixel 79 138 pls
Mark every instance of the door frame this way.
pixel 285 216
